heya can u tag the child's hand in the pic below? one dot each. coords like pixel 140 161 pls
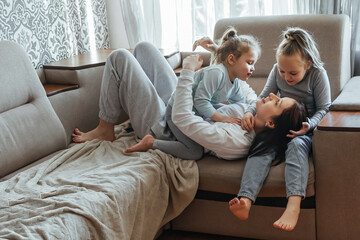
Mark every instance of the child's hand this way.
pixel 247 122
pixel 192 62
pixel 206 43
pixel 217 117
pixel 305 128
pixel 234 120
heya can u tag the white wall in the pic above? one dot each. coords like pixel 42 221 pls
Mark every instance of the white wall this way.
pixel 117 33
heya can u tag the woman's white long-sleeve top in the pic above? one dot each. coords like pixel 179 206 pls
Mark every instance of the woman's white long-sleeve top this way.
pixel 225 140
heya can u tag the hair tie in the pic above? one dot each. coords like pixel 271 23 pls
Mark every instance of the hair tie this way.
pixel 289 36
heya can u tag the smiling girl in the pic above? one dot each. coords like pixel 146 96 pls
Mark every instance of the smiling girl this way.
pixel 298 74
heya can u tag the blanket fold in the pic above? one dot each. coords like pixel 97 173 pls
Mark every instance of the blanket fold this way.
pixel 94 190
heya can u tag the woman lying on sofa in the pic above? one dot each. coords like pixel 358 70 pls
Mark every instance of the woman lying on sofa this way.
pixel 142 83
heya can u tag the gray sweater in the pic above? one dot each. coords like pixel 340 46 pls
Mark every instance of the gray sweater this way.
pixel 313 90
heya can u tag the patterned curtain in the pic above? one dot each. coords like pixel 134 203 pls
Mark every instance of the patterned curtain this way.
pixel 51 30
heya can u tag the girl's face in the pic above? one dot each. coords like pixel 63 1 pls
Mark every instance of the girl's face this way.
pixel 242 67
pixel 292 68
pixel 272 106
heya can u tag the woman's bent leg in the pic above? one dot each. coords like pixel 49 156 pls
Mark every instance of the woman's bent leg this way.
pixel 157 69
pixel 126 87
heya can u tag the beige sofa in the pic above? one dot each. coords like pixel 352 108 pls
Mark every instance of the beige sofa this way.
pixel 51 188
pixel 330 210
pixel 34 128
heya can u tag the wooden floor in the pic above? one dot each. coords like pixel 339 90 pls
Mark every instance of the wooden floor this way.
pixel 179 235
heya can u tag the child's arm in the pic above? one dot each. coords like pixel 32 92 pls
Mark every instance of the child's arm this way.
pixel 205 91
pixel 217 117
pixel 245 94
pixel 321 93
pixel 206 43
pixel 322 97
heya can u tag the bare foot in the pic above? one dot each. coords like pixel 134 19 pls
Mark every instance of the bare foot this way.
pixel 290 216
pixel 104 131
pixel 240 207
pixel 145 144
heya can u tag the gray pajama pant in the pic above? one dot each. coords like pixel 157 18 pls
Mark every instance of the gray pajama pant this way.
pixel 296 169
pixel 140 85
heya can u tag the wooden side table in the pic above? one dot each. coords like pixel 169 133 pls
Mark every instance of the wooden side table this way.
pixel 56 83
pixel 341 121
pixel 336 154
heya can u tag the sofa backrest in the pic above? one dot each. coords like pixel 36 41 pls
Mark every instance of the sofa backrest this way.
pixel 331 33
pixel 29 127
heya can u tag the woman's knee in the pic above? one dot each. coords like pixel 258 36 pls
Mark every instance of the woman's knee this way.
pixel 143 48
pixel 117 56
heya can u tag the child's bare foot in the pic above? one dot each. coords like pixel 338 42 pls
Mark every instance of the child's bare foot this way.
pixel 240 207
pixel 145 144
pixel 290 216
pixel 104 131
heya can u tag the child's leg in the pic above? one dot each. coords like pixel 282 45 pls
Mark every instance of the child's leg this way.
pixel 296 176
pixel 240 207
pixel 255 172
pixel 145 144
pixel 182 147
pixel 289 218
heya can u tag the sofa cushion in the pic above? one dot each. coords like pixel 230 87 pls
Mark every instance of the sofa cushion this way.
pixel 348 99
pixel 223 176
pixel 29 127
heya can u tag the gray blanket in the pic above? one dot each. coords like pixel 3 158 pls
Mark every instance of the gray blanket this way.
pixel 96 191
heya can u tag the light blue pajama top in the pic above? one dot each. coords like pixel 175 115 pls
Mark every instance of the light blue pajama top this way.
pixel 212 88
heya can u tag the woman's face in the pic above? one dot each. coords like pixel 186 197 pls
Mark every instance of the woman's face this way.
pixel 272 106
pixel 292 68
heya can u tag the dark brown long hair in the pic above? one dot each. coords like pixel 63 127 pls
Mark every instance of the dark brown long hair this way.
pixel 275 140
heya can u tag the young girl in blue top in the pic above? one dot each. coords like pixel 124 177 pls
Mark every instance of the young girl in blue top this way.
pixel 224 81
pixel 299 74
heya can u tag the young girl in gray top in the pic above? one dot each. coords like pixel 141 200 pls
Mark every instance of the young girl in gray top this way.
pixel 299 74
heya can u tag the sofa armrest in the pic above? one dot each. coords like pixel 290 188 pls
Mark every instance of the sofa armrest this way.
pixel 205 55
pixel 349 98
pixel 336 156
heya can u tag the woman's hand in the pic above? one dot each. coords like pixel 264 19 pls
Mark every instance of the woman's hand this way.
pixel 193 62
pixel 206 43
pixel 248 122
pixel 305 128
